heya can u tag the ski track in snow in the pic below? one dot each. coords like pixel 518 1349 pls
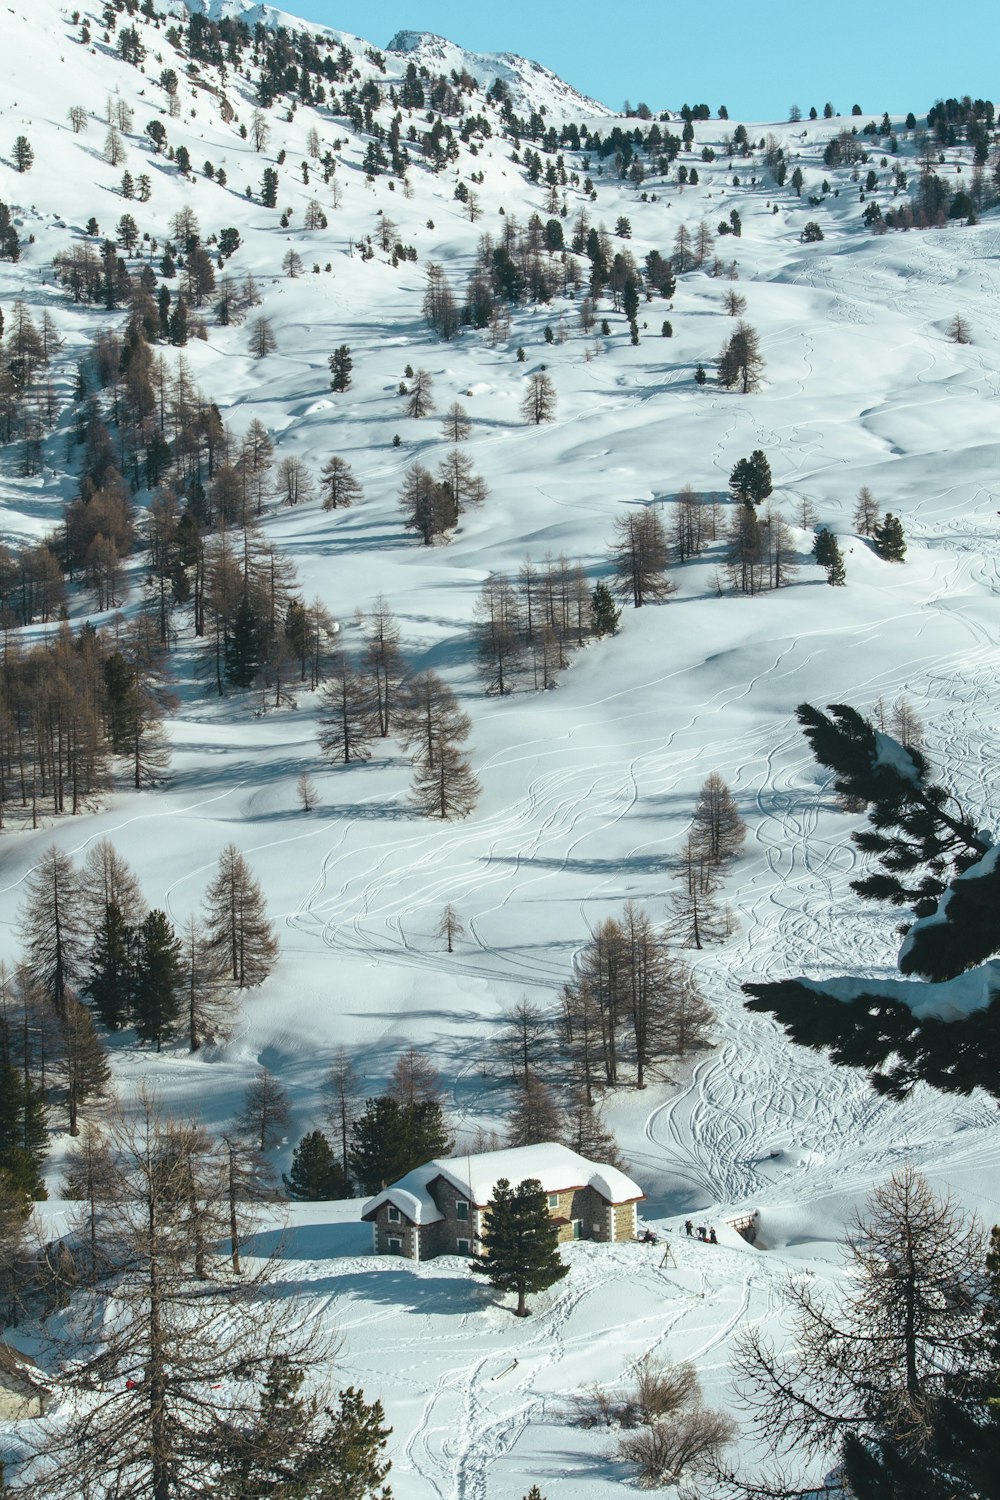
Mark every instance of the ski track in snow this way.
pixel 587 790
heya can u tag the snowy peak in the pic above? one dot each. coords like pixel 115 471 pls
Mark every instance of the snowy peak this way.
pixel 531 85
pixel 411 41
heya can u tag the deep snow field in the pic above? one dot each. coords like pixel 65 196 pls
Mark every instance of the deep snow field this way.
pixel 587 790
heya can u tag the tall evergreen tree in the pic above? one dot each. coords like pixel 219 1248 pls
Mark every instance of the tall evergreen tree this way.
pixel 23 1127
pixel 741 362
pixel 51 917
pixel 604 612
pixel 341 365
pixel 295 1446
pixel 111 983
pixel 718 832
pixel 238 932
pixel 750 480
pixel 520 1242
pixel 888 538
pixel 159 980
pixel 391 1138
pixel 315 1174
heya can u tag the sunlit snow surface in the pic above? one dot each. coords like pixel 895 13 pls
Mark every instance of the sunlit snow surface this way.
pixel 587 789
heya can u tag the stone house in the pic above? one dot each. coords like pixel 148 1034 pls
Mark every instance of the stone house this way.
pixel 22 1393
pixel 439 1209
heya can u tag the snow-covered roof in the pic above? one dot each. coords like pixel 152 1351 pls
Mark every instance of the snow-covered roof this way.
pixel 556 1167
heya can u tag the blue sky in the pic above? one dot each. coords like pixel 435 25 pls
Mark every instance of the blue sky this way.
pixel 756 58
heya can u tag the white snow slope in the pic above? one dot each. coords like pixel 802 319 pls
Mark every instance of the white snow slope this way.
pixel 587 789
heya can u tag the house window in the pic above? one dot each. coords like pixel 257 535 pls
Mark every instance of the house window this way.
pixel 577 1229
pixel 395 1245
pixel 553 1200
pixel 462 1210
pixel 464 1247
pixel 393 1214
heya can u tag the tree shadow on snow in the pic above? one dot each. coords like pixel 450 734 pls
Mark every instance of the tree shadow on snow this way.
pixel 397 1283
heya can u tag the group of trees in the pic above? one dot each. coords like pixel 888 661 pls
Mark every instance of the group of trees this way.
pixel 531 625
pixel 181 1367
pixel 826 551
pixel 29 401
pixel 631 1006
pixel 715 839
pixel 93 948
pixel 207 485
pixel 886 534
pixel 76 707
pixel 368 1142
pixel 432 503
pixel 378 697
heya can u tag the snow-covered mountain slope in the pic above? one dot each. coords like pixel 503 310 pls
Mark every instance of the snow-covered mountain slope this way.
pixel 530 85
pixel 587 789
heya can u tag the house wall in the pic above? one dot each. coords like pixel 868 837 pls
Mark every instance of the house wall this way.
pixel 17 1402
pixel 442 1238
pixel 407 1233
pixel 587 1205
pixel 625 1220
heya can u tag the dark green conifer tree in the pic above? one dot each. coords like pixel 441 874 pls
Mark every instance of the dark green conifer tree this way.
pixel 750 480
pixel 112 969
pixel 390 1139
pixel 23 1129
pixel 316 1173
pixel 244 646
pixel 296 1446
pixel 604 612
pixel 888 539
pixel 341 364
pixel 520 1242
pixel 826 551
pixel 935 859
pixel 159 980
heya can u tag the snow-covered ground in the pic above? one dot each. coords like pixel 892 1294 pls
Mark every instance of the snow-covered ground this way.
pixel 587 789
